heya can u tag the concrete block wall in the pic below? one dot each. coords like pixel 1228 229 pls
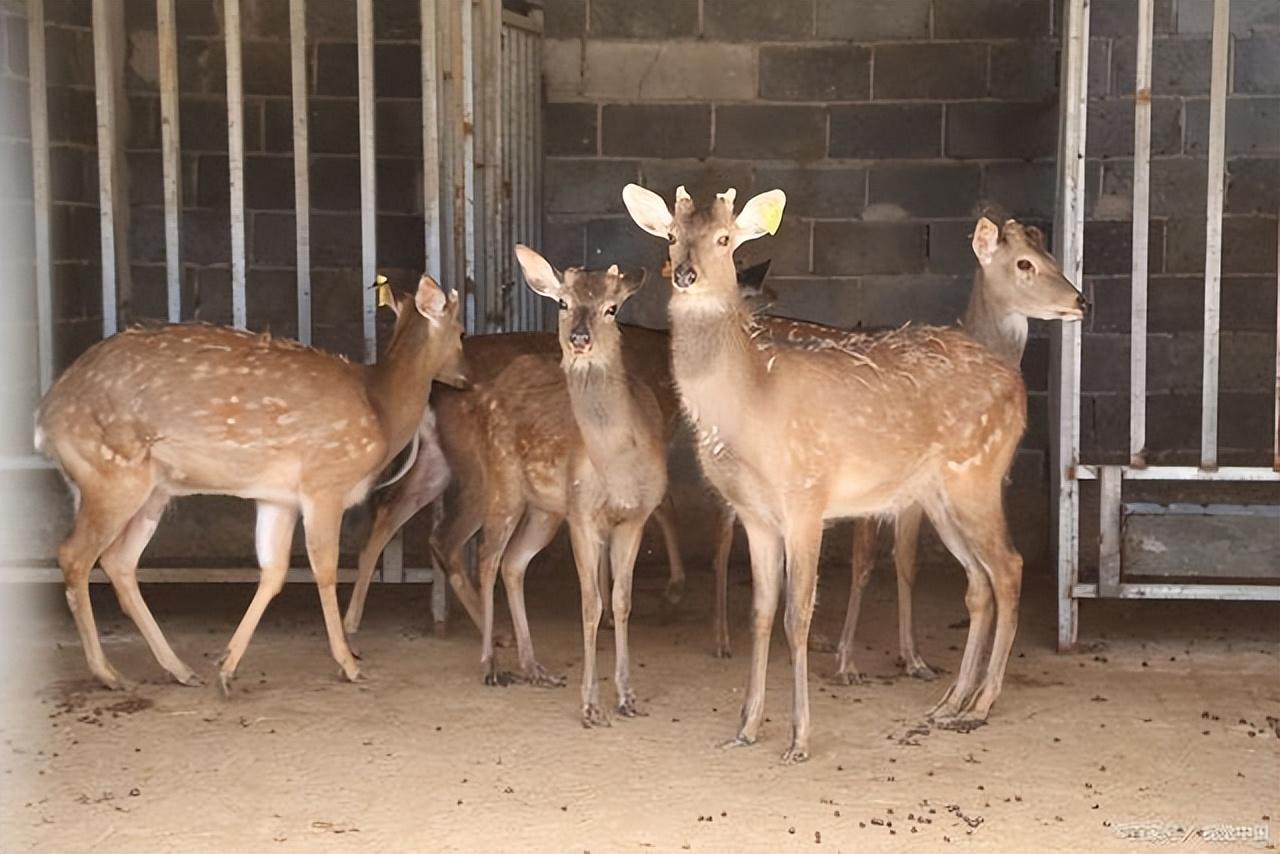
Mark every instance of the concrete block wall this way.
pixel 886 121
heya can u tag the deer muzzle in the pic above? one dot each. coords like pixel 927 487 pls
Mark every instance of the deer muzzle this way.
pixel 685 275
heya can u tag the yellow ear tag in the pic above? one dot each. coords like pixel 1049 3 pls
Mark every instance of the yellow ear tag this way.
pixel 385 296
pixel 771 217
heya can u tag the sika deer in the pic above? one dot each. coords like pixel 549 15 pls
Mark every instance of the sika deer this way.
pixel 1016 279
pixel 190 408
pixel 795 432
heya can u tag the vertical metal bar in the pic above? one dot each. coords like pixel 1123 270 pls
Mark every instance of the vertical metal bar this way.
pixel 535 95
pixel 510 234
pixel 104 64
pixel 1109 484
pixel 41 195
pixel 1213 233
pixel 531 93
pixel 431 141
pixel 468 170
pixel 301 163
pixel 439 601
pixel 1141 236
pixel 171 154
pixel 1275 464
pixel 1065 384
pixel 235 159
pixel 368 174
pixel 490 77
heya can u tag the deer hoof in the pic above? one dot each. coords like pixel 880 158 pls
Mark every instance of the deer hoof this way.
pixel 959 723
pixel 794 755
pixel 593 716
pixel 538 677
pixel 847 678
pixel 818 642
pixel 502 640
pixel 352 675
pixel 723 651
pixel 499 679
pixel 919 670
pixel 355 651
pixel 627 708
pixel 737 741
pixel 225 678
pixel 675 592
pixel 191 679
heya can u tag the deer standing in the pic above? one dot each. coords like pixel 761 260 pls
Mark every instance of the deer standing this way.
pixel 795 432
pixel 1016 279
pixel 190 408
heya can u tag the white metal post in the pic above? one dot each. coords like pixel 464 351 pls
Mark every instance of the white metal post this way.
pixel 1141 235
pixel 1213 233
pixel 171 154
pixel 301 163
pixel 431 154
pixel 104 65
pixel 466 86
pixel 1069 242
pixel 235 159
pixel 368 174
pixel 41 196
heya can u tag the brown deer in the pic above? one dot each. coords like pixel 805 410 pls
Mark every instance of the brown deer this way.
pixel 1016 279
pixel 794 431
pixel 190 408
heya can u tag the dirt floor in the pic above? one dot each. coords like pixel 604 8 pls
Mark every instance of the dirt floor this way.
pixel 1166 724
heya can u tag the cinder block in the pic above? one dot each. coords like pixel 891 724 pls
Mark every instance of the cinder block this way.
pixel 266 68
pixel 397 19
pixel 1002 130
pixel 1108 248
pixel 1178 66
pixel 1029 70
pixel 873 131
pixel 271 301
pixel 1001 19
pixel 582 186
pixel 827 300
pixel 1247 16
pixel 1105 364
pixel 16 54
pixel 1251 126
pixel 335 240
pixel 1253 185
pixel 569 129
pixel 1119 18
pixel 653 19
pixel 1258 65
pixel 854 248
pixel 272 239
pixel 203 123
pixel 564 19
pixel 1175 304
pixel 893 300
pixel 873 20
pixel 931 71
pixel 788 250
pixel 562 69
pixel 564 242
pixel 1245 421
pixel 1248 245
pixel 760 132
pixel 817 190
pixel 1023 189
pixel 206 236
pixel 926 190
pixel 399 125
pixel 202 69
pixel 1177 184
pixel 335 183
pixel 618 240
pixel 325 21
pixel 70 55
pixel 1247 362
pixel 951 247
pixel 668 130
pixel 400 243
pixel 1111 128
pixel 668 71
pixel 702 178
pixel 821 73
pixel 778 20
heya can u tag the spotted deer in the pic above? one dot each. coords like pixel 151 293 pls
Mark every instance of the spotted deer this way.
pixel 184 409
pixel 793 431
pixel 1016 279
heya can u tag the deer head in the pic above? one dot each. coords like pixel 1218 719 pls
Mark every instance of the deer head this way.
pixel 1020 276
pixel 589 301
pixel 702 241
pixel 427 322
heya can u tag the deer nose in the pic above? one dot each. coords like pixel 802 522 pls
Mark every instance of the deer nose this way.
pixel 1083 304
pixel 580 339
pixel 685 275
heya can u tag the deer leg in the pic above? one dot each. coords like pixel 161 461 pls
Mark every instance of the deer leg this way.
pixel 463 518
pixel 587 548
pixel 323 523
pixel 273 539
pixel 766 584
pixel 803 544
pixel 980 601
pixel 906 539
pixel 534 534
pixel 864 544
pixel 420 486
pixel 724 544
pixel 498 529
pixel 664 515
pixel 604 584
pixel 624 545
pixel 120 562
pixel 98 523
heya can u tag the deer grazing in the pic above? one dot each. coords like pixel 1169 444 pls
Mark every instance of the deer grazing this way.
pixel 793 431
pixel 1016 279
pixel 184 409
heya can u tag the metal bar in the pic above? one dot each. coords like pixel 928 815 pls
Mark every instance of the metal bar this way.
pixel 520 22
pixel 393 559
pixel 1109 528
pixel 1235 592
pixel 1275 464
pixel 41 196
pixel 1213 233
pixel 1224 474
pixel 490 76
pixel 521 188
pixel 301 163
pixel 171 155
pixel 24 462
pixel 235 159
pixel 368 175
pixel 431 142
pixel 104 65
pixel 1146 508
pixel 468 170
pixel 168 574
pixel 540 306
pixel 1069 240
pixel 439 602
pixel 510 174
pixel 1141 236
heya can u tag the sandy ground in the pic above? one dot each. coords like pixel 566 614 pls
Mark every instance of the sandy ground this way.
pixel 1168 718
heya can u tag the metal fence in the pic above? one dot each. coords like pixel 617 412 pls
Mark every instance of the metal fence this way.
pixel 482 171
pixel 1126 529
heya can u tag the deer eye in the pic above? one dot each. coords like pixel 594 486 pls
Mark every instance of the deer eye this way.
pixel 610 311
pixel 723 240
pixel 564 306
pixel 1025 266
pixel 671 240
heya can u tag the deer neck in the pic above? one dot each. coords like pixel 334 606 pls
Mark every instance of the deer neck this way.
pixel 606 411
pixel 999 329
pixel 399 383
pixel 716 363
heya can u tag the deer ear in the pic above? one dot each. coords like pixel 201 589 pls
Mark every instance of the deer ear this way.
pixel 430 299
pixel 629 281
pixel 986 236
pixel 648 210
pixel 538 273
pixel 1035 236
pixel 760 216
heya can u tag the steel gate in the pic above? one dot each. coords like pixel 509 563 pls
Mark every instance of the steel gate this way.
pixel 1129 533
pixel 481 185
